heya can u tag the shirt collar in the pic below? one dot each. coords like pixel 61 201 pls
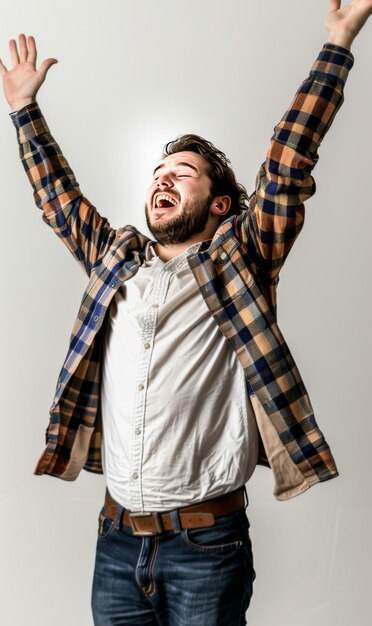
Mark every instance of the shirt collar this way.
pixel 150 252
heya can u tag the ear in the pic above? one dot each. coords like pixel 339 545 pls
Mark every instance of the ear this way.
pixel 220 205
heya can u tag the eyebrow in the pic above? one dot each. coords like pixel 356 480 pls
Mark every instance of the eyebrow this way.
pixel 177 164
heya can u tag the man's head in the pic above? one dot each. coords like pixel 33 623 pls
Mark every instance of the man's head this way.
pixel 193 190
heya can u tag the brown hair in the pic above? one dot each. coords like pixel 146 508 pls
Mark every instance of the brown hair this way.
pixel 219 169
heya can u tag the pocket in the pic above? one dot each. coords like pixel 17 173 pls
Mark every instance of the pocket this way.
pixel 224 536
pixel 105 525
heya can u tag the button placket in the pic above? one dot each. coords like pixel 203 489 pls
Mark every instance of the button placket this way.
pixel 155 296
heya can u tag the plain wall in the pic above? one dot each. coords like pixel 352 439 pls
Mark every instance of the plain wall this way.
pixel 131 76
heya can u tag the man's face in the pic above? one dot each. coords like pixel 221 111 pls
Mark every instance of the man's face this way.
pixel 178 200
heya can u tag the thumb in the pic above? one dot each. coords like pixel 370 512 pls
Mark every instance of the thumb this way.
pixel 46 65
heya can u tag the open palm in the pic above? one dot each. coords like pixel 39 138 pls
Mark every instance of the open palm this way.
pixel 349 18
pixel 22 82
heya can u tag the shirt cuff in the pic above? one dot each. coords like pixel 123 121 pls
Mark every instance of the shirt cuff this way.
pixel 333 63
pixel 29 122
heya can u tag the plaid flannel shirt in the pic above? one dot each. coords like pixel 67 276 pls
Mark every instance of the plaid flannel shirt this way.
pixel 237 273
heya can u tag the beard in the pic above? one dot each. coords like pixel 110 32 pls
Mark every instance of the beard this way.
pixel 189 222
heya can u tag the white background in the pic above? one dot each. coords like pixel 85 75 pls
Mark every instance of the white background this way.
pixel 131 76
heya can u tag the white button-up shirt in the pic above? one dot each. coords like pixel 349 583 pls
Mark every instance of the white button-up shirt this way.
pixel 177 420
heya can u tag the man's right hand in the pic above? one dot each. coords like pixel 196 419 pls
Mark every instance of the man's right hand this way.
pixel 23 81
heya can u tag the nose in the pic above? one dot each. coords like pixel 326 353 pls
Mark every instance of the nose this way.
pixel 164 181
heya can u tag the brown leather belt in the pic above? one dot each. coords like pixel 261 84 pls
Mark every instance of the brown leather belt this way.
pixel 196 516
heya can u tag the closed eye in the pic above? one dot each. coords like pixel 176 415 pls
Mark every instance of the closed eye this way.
pixel 156 178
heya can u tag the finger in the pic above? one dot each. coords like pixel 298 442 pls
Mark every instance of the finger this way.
pixel 3 69
pixel 23 52
pixel 334 5
pixel 32 52
pixel 46 65
pixel 13 52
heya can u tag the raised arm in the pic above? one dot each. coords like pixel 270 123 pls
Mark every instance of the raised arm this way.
pixel 276 214
pixel 73 218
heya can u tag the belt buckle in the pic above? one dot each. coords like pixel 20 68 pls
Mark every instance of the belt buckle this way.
pixel 149 532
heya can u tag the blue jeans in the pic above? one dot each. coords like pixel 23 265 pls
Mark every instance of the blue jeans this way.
pixel 195 577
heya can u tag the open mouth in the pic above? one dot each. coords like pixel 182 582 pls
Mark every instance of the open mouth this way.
pixel 164 201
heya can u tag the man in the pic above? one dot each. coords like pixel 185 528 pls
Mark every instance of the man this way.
pixel 176 357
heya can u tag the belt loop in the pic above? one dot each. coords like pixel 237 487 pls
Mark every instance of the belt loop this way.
pixel 118 516
pixel 245 496
pixel 175 518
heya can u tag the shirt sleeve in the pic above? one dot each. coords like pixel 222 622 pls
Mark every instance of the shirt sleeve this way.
pixel 276 211
pixel 56 191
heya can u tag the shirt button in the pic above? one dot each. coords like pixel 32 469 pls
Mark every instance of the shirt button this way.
pixel 147 346
pixel 95 318
pixel 138 431
pixel 135 476
pixel 155 306
pixel 140 386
